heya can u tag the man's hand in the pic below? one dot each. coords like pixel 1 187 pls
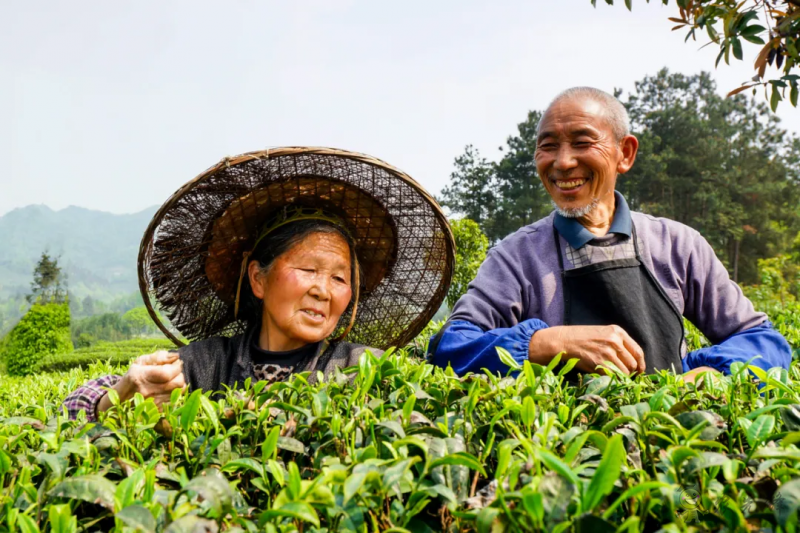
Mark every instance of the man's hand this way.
pixel 592 345
pixel 153 376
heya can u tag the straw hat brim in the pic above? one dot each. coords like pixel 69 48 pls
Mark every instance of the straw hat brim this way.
pixel 191 254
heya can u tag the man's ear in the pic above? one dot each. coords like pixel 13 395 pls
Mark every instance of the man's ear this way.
pixel 254 273
pixel 629 145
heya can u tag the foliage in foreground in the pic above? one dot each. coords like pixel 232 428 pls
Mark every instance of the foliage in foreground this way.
pixel 44 330
pixel 397 443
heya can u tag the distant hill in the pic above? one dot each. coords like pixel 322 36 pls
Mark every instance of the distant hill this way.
pixel 98 250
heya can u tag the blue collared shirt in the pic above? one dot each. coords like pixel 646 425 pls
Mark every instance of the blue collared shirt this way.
pixel 578 236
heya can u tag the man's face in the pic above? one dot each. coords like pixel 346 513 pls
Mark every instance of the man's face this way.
pixel 577 155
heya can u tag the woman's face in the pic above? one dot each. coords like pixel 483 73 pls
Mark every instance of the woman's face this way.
pixel 304 293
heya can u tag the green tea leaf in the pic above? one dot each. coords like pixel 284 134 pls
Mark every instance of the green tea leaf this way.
pixel 137 517
pixel 291 445
pixel 90 488
pixel 507 359
pixel 528 412
pixel 192 524
pixel 270 446
pixel 760 429
pixel 787 501
pixel 393 426
pixel 355 481
pixel 190 409
pixel 245 463
pixel 557 465
pixel 607 473
pixel 26 524
pixel 61 519
pixel 460 459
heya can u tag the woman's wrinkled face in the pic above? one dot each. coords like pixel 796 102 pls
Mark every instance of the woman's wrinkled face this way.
pixel 304 293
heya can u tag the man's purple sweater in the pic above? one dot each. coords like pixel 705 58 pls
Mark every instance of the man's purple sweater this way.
pixel 518 291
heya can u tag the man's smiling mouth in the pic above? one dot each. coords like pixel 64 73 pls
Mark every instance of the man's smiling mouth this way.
pixel 569 184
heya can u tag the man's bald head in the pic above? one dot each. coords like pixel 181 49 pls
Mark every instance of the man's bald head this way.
pixel 616 113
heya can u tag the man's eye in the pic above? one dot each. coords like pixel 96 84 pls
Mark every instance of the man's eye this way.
pixel 547 146
pixel 340 279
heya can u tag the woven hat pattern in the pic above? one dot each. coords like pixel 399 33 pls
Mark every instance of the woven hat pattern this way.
pixel 191 254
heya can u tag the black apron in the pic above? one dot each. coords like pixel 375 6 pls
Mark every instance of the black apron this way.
pixel 623 292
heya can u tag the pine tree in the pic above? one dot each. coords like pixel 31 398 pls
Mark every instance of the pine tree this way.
pixel 49 282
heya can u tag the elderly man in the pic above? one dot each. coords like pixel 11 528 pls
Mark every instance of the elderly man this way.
pixel 594 279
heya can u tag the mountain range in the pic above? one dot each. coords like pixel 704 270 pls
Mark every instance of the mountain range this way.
pixel 97 250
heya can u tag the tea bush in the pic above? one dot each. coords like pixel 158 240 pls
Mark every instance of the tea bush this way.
pixel 398 445
pixel 42 331
pixel 117 352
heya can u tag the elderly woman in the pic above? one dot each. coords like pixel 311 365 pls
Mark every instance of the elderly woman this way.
pixel 279 262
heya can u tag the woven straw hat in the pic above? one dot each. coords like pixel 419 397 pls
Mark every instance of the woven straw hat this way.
pixel 191 253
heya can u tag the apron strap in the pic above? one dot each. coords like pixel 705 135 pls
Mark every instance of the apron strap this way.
pixel 557 238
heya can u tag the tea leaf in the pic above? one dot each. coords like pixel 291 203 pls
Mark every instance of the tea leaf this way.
pixel 760 429
pixel 607 473
pixel 137 517
pixel 89 488
pixel 459 459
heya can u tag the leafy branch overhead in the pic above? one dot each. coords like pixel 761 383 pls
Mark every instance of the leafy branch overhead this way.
pixel 732 25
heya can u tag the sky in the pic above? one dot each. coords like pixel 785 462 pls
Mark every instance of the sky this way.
pixel 114 105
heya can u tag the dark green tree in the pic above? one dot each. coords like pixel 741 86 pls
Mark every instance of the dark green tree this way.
pixel 49 282
pixel 522 197
pixel 503 196
pixel 87 307
pixel 470 191
pixel 722 166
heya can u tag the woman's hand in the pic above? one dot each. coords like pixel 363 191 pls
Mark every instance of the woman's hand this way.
pixel 592 345
pixel 153 376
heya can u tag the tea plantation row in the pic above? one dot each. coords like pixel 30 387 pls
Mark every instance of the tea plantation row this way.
pixel 398 445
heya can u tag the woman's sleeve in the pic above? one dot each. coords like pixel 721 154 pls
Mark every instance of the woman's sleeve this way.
pixel 468 348
pixel 86 397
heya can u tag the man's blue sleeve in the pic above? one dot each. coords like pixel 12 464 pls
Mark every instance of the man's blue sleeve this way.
pixel 761 340
pixel 467 348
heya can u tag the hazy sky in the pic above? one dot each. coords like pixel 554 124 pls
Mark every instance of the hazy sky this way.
pixel 113 105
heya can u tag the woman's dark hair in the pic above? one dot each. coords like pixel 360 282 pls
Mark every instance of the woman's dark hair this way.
pixel 277 243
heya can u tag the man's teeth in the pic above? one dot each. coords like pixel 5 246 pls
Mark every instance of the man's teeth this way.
pixel 571 184
pixel 312 313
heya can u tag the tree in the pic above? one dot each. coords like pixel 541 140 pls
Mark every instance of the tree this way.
pixel 721 166
pixel 88 306
pixel 471 247
pixel 106 327
pixel 500 197
pixel 729 24
pixel 138 322
pixel 523 198
pixel 470 190
pixel 49 282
